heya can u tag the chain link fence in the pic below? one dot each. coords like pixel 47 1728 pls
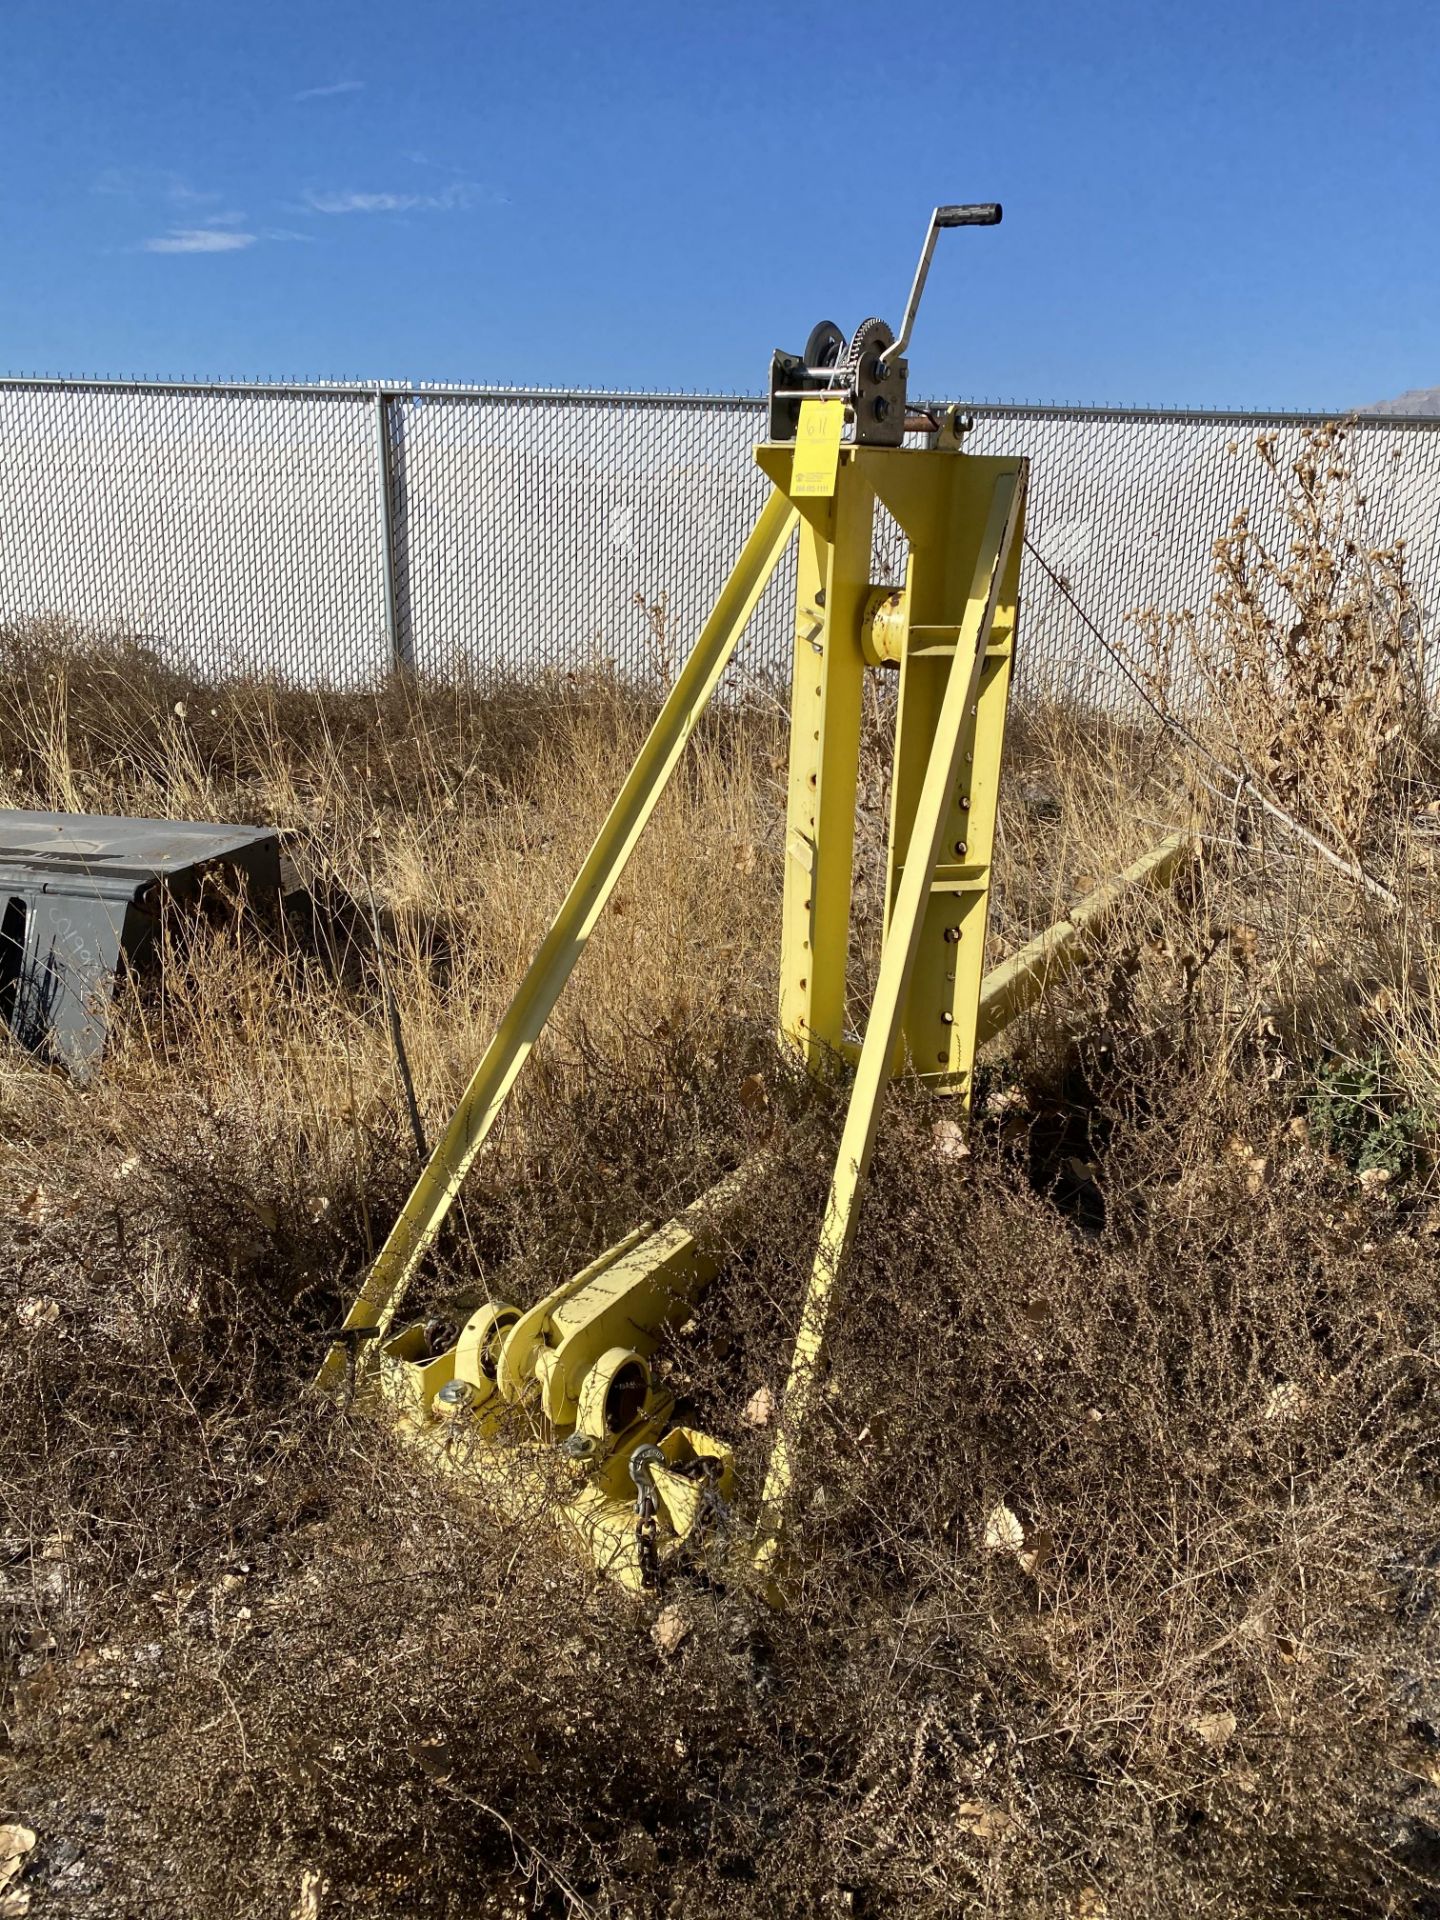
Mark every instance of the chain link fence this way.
pixel 328 533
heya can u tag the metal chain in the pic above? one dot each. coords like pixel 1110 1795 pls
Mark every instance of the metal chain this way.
pixel 648 1550
pixel 714 1510
pixel 647 1503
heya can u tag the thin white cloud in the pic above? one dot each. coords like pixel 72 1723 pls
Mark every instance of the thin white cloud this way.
pixel 362 202
pixel 150 183
pixel 328 92
pixel 452 199
pixel 200 240
pixel 199 220
pixel 181 194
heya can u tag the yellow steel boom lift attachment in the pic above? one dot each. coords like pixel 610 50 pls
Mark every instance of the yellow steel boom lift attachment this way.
pixel 598 1449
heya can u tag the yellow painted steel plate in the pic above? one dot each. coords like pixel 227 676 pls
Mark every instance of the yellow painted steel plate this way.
pixel 817 448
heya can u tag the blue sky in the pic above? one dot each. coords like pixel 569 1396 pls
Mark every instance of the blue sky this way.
pixel 1205 203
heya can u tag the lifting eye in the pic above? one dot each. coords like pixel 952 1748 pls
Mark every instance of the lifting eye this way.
pixel 625 1396
pixel 613 1394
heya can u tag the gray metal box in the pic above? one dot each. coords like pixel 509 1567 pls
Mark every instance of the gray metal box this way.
pixel 78 892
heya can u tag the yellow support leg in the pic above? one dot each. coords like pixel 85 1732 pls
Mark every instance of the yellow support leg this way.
pixel 934 809
pixel 440 1180
pixel 826 686
pixel 945 521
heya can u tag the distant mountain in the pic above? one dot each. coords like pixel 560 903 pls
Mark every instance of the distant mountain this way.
pixel 1417 400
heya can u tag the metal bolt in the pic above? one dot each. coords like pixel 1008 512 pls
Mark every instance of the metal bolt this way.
pixel 455 1398
pixel 952 934
pixel 946 1019
pixel 961 847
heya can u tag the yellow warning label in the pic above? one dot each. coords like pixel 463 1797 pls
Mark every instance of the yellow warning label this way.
pixel 817 448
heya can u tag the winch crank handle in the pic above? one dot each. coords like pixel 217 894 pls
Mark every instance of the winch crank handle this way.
pixel 984 213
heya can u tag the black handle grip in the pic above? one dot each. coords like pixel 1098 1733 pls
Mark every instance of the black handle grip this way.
pixel 985 215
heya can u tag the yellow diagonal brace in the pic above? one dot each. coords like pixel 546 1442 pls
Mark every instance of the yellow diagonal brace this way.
pixel 882 1030
pixel 441 1178
pixel 1017 983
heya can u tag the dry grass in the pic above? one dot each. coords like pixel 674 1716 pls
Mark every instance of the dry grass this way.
pixel 1117 1534
pixel 1310 660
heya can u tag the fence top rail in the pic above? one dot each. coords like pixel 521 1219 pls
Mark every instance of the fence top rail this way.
pixel 718 402
pixel 380 390
pixel 1195 416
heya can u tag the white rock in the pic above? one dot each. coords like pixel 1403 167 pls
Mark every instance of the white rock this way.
pixel 1003 1531
pixel 17 1843
pixel 759 1408
pixel 671 1630
pixel 1215 1729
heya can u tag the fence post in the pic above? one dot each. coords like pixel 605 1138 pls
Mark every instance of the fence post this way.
pixel 395 633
